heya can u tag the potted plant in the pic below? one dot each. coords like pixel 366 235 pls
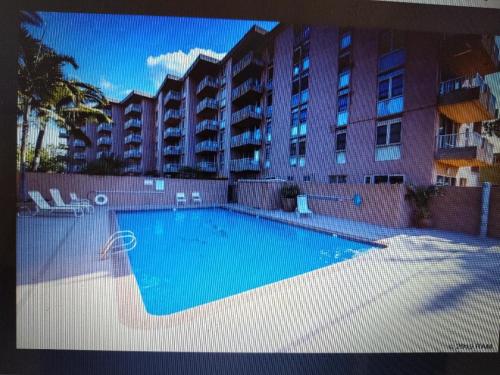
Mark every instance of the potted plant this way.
pixel 420 197
pixel 289 194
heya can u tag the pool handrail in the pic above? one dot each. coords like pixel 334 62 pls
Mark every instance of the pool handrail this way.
pixel 122 235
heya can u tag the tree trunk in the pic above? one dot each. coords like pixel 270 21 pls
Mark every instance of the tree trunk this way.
pixel 38 147
pixel 23 151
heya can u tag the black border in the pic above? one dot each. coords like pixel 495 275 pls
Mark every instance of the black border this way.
pixel 356 13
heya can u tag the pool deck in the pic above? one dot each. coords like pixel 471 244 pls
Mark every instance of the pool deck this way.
pixel 425 291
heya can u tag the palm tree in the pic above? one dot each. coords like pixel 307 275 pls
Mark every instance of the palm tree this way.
pixel 39 73
pixel 71 105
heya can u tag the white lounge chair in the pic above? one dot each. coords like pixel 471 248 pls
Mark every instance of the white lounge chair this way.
pixel 43 206
pixel 180 198
pixel 75 199
pixel 196 197
pixel 59 202
pixel 302 208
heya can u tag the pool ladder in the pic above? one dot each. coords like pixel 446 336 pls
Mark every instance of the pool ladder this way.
pixel 118 242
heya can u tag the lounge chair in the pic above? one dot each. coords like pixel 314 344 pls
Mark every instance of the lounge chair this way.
pixel 196 197
pixel 302 208
pixel 43 206
pixel 59 202
pixel 75 199
pixel 180 198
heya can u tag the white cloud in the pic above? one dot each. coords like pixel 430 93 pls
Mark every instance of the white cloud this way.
pixel 176 62
pixel 105 84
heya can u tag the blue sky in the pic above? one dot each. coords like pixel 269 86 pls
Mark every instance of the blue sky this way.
pixel 120 53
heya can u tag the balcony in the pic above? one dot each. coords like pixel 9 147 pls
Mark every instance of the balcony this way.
pixel 247 139
pixel 250 90
pixel 78 143
pixel 108 112
pixel 104 141
pixel 171 167
pixel 172 98
pixel 207 106
pixel 172 116
pixel 132 124
pixel 249 115
pixel 133 139
pixel 207 126
pixel 206 146
pixel 468 54
pixel 244 165
pixel 104 155
pixel 250 65
pixel 172 150
pixel 464 150
pixel 466 99
pixel 79 156
pixel 207 86
pixel 133 109
pixel 134 168
pixel 172 133
pixel 207 166
pixel 104 127
pixel 133 153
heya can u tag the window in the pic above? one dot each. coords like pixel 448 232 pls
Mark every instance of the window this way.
pixel 385 179
pixel 337 179
pixel 340 148
pixel 462 182
pixel 268 131
pixel 345 40
pixel 390 40
pixel 445 181
pixel 344 78
pixel 390 85
pixel 302 146
pixel 389 132
pixel 307 178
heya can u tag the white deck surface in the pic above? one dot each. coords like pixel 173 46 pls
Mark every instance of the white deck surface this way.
pixel 426 291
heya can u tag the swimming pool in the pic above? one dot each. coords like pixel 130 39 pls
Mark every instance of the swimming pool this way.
pixel 190 257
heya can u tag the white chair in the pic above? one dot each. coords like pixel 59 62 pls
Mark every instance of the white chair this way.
pixel 43 206
pixel 75 199
pixel 180 198
pixel 59 202
pixel 302 208
pixel 196 197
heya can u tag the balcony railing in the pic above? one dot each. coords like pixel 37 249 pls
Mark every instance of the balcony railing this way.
pixel 249 59
pixel 133 138
pixel 172 150
pixel 104 154
pixel 132 124
pixel 248 112
pixel 172 96
pixel 464 149
pixel 104 127
pixel 207 82
pixel 133 153
pixel 467 99
pixel 78 143
pixel 132 169
pixel 206 146
pixel 172 114
pixel 245 164
pixel 246 139
pixel 207 103
pixel 206 166
pixel 172 132
pixel 79 155
pixel 104 141
pixel 250 85
pixel 207 125
pixel 133 107
pixel 171 167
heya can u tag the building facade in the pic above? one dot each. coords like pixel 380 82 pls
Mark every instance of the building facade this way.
pixel 318 103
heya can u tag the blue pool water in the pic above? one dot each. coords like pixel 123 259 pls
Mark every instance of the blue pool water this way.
pixel 189 257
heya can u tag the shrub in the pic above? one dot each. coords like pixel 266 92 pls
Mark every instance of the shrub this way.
pixel 290 191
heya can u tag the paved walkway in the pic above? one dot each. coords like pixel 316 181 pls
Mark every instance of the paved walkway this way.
pixel 425 291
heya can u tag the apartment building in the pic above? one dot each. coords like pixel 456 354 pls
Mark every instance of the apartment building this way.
pixel 317 103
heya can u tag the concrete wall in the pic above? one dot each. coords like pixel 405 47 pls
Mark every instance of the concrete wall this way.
pixel 85 186
pixel 494 213
pixel 382 204
pixel 458 209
